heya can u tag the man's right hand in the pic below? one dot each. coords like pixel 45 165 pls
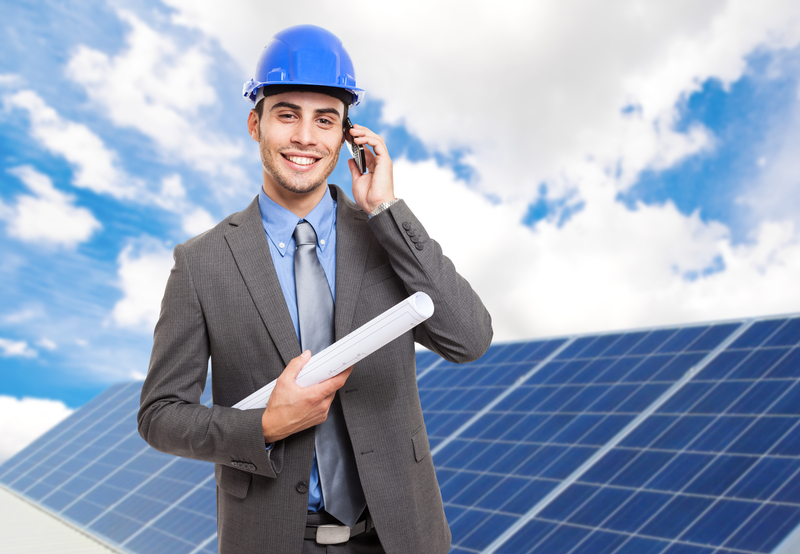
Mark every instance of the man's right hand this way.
pixel 292 408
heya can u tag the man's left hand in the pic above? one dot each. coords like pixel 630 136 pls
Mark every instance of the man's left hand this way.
pixel 372 189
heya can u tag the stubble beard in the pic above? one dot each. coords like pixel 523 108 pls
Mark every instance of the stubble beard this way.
pixel 297 184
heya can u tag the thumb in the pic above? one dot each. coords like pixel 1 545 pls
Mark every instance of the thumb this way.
pixel 293 369
pixel 354 172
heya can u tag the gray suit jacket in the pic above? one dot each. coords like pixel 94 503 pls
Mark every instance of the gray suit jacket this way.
pixel 223 301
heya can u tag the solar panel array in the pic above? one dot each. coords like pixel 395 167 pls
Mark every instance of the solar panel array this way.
pixel 665 441
pixel 94 471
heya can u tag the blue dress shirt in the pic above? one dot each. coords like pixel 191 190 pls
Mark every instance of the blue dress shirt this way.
pixel 279 224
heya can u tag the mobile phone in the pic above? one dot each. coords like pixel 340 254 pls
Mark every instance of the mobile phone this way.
pixel 356 149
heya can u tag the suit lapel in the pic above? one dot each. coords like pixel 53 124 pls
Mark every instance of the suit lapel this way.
pixel 352 248
pixel 248 244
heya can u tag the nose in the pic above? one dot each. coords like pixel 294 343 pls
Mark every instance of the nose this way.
pixel 305 133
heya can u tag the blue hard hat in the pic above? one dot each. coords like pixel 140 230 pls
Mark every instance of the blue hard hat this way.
pixel 304 55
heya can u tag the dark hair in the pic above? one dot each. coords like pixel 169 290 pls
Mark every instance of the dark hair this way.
pixel 345 96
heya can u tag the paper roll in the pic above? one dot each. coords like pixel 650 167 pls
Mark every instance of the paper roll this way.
pixel 354 347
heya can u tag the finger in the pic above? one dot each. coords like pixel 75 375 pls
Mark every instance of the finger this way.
pixel 339 380
pixel 361 129
pixel 375 142
pixel 330 386
pixel 364 136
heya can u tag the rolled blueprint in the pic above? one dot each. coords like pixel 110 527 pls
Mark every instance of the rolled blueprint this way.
pixel 354 347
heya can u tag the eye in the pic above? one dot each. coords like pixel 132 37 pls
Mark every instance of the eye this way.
pixel 287 116
pixel 324 121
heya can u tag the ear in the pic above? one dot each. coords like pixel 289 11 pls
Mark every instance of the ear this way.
pixel 253 128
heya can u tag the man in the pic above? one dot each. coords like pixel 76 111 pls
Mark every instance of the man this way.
pixel 254 289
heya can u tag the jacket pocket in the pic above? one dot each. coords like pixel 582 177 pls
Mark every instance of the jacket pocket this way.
pixel 233 481
pixel 380 273
pixel 421 445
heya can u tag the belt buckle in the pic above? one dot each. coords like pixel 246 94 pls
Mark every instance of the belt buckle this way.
pixel 332 534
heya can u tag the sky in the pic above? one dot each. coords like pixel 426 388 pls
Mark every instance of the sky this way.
pixel 587 166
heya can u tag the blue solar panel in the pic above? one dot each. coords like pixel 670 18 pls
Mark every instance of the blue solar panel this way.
pixel 451 394
pixel 709 470
pixel 99 475
pixel 545 428
pixel 680 440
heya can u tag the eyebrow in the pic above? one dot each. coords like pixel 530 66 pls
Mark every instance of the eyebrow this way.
pixel 285 105
pixel 291 106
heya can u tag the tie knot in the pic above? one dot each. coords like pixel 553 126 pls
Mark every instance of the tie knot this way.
pixel 304 234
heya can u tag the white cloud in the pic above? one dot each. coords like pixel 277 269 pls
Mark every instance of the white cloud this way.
pixel 142 275
pixel 531 88
pixel 25 314
pixel 776 193
pixel 537 93
pixel 96 167
pixel 607 267
pixel 194 219
pixel 11 348
pixel 161 89
pixel 10 80
pixel 47 344
pixel 24 420
pixel 49 216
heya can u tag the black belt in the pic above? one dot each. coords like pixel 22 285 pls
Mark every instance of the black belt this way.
pixel 326 529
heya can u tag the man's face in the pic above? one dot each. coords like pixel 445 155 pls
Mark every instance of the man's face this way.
pixel 299 136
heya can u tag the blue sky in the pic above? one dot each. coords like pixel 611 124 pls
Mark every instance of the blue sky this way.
pixel 610 167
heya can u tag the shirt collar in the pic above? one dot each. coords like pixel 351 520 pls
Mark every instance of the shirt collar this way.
pixel 279 223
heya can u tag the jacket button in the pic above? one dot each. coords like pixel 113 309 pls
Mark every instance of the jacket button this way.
pixel 419 246
pixel 415 240
pixel 411 232
pixel 302 487
pixel 406 225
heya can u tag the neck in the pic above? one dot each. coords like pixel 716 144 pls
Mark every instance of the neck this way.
pixel 299 203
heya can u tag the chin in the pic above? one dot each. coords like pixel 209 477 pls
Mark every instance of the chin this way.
pixel 300 188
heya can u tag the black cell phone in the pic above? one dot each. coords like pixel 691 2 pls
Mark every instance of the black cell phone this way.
pixel 356 149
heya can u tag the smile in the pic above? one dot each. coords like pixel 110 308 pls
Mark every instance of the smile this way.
pixel 301 160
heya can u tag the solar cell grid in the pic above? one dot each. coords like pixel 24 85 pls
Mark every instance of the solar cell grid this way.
pixel 573 406
pixel 61 435
pixel 705 469
pixel 561 416
pixel 451 394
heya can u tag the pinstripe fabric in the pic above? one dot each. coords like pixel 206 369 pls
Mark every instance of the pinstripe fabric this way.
pixel 223 302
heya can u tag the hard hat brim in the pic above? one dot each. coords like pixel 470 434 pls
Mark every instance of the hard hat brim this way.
pixel 251 88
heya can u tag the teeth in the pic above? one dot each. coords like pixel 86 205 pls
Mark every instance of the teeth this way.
pixel 301 160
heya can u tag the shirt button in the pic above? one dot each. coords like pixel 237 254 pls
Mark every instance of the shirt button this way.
pixel 302 487
pixel 406 225
pixel 281 245
pixel 322 242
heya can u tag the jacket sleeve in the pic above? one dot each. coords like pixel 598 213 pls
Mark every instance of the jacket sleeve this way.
pixel 171 418
pixel 460 329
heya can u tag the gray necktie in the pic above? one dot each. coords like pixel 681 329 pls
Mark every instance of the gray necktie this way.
pixel 341 487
